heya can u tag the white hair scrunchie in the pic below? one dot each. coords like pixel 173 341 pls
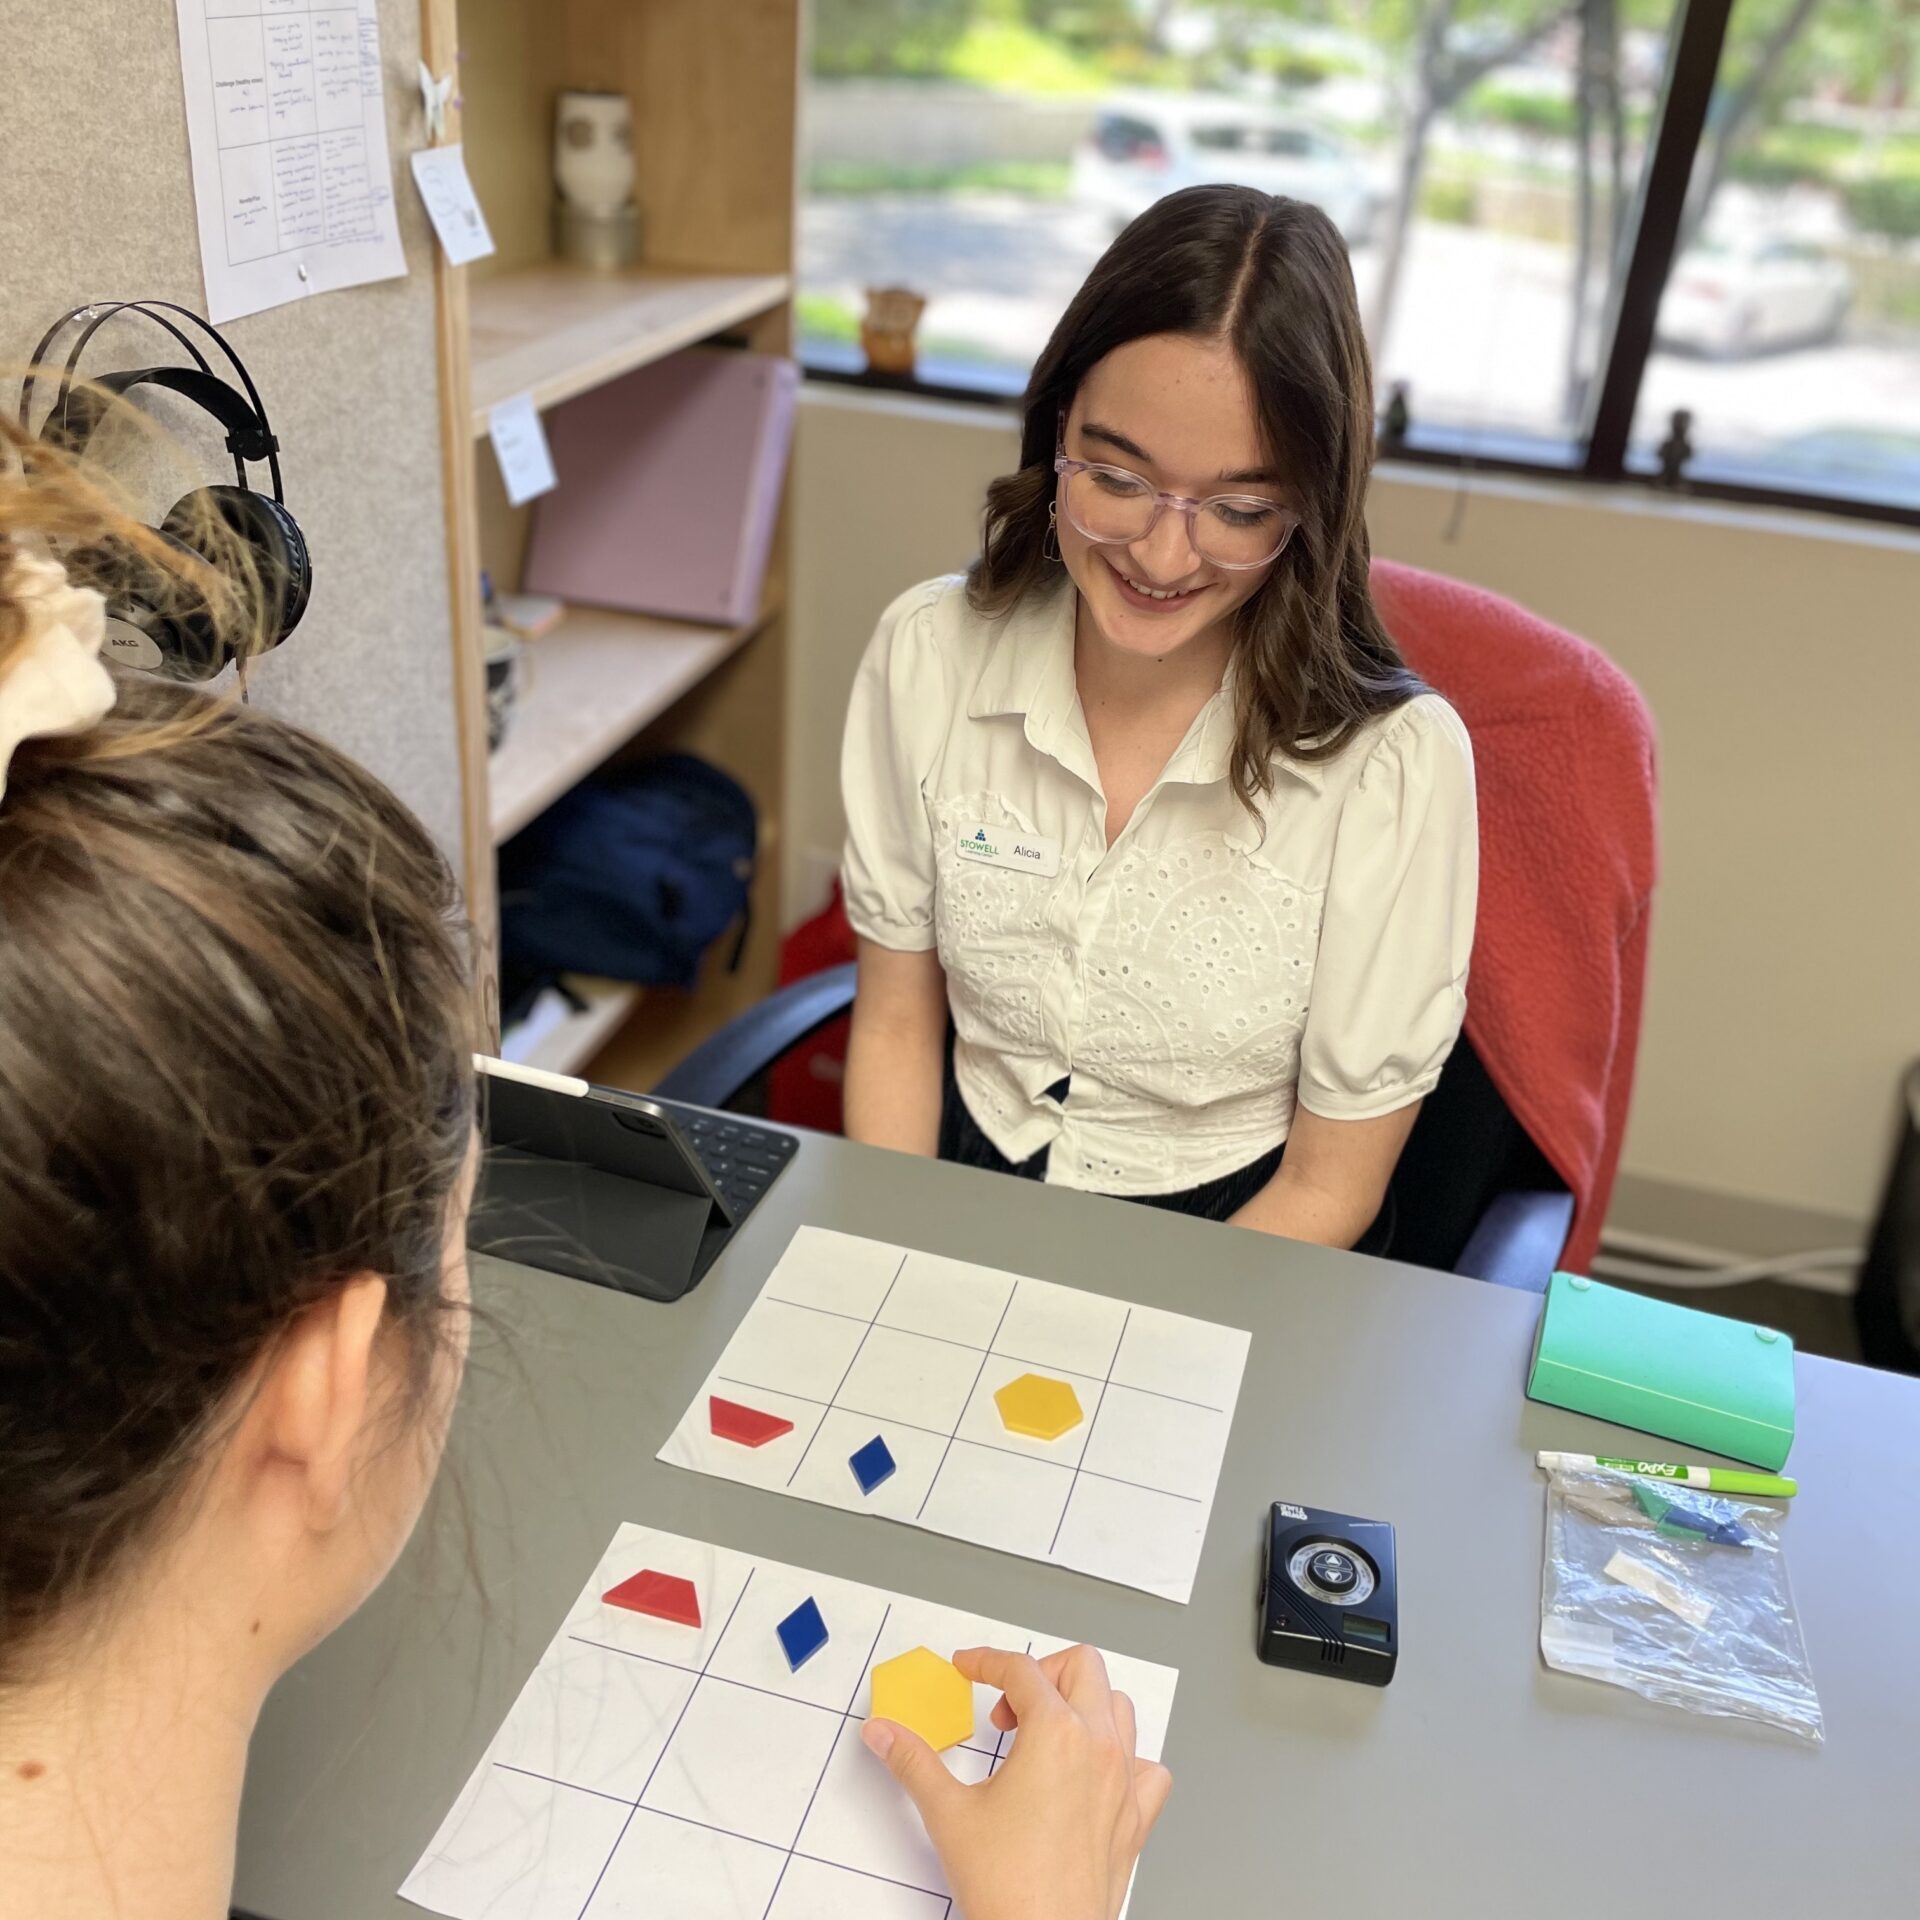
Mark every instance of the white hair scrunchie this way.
pixel 53 682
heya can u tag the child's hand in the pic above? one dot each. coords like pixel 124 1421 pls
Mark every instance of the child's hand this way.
pixel 1053 1835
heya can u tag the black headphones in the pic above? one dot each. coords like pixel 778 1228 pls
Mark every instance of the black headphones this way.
pixel 184 641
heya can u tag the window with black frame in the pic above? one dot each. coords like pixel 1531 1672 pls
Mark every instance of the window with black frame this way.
pixel 1542 291
pixel 1789 327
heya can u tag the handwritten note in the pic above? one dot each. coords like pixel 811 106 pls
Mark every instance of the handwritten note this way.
pixel 520 445
pixel 441 173
pixel 287 123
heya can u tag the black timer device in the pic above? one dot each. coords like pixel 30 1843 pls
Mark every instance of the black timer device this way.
pixel 1327 1599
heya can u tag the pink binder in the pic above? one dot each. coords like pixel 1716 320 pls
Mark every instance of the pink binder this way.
pixel 669 485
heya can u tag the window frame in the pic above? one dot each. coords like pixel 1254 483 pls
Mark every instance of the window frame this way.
pixel 1604 453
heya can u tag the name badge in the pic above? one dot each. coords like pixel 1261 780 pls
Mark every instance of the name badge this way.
pixel 1003 847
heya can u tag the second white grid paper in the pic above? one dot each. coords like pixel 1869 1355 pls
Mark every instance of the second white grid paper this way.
pixel 650 1770
pixel 851 1338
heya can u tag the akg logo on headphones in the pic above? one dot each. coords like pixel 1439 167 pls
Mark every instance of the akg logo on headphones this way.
pixel 127 646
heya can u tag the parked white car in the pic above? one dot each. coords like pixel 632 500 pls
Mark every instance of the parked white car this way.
pixel 1738 296
pixel 1142 148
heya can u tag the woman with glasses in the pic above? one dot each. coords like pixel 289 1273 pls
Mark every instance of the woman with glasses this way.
pixel 1162 862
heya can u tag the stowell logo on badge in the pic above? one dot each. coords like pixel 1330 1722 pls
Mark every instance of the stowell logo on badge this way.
pixel 1024 853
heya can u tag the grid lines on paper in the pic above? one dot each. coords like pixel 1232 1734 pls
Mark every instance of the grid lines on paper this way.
pixel 950 1435
pixel 853 1362
pixel 1106 1387
pixel 704 1676
pixel 971 1391
pixel 678 1723
pixel 851 1341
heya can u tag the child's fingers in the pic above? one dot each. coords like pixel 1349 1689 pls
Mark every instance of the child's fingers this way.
pixel 1019 1677
pixel 1052 1665
pixel 1084 1684
pixel 1076 1674
pixel 1151 1785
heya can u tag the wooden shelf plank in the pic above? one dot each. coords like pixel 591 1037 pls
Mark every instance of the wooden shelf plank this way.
pixel 554 331
pixel 586 689
pixel 670 1022
pixel 637 1055
pixel 567 1046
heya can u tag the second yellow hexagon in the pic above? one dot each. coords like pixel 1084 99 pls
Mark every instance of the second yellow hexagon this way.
pixel 927 1694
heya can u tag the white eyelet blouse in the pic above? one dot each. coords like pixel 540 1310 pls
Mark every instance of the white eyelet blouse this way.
pixel 1205 972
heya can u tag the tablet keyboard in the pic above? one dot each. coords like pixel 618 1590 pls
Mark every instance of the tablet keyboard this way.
pixel 742 1158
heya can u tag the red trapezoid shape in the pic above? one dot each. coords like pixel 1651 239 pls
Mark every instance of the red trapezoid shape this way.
pixel 748 1425
pixel 666 1596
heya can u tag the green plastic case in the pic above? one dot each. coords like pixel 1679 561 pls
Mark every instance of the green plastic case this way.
pixel 1706 1381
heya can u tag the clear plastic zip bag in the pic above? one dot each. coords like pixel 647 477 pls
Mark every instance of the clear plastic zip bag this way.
pixel 1681 1596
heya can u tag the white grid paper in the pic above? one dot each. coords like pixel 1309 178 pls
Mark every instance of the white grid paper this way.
pixel 851 1338
pixel 649 1769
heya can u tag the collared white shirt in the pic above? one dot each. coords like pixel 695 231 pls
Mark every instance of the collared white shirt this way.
pixel 1205 972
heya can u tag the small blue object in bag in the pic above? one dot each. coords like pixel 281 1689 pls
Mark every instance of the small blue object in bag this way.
pixel 633 875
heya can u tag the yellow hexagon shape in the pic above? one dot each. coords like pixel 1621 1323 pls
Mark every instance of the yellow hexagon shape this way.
pixel 1040 1408
pixel 929 1695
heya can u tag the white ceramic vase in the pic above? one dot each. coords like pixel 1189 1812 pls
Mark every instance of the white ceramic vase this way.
pixel 593 152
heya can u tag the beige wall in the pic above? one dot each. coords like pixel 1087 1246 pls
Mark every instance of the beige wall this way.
pixel 1780 655
pixel 884 493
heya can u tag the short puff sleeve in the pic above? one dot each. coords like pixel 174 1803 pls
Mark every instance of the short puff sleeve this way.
pixel 1390 982
pixel 895 721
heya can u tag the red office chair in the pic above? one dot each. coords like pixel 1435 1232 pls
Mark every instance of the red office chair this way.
pixel 1564 758
pixel 1507 1171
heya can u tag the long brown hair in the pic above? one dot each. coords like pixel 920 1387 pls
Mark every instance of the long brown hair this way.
pixel 1271 277
pixel 235 1069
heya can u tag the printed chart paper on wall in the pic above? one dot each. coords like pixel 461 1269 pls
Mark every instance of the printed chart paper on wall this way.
pixel 1064 1426
pixel 688 1766
pixel 287 121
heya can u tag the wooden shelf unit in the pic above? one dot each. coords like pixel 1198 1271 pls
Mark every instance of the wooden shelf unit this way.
pixel 714 94
pixel 555 331
pixel 586 689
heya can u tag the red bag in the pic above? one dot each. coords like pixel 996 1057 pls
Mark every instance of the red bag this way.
pixel 803 1089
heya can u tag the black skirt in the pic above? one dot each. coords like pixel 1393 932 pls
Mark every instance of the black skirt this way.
pixel 962 1142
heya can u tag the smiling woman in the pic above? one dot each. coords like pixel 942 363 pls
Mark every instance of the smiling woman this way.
pixel 1148 810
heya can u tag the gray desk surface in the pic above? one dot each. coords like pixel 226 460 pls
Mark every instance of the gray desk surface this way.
pixel 1478 1783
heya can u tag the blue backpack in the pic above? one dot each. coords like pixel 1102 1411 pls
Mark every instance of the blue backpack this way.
pixel 632 875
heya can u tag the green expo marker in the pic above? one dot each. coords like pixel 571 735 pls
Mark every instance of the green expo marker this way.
pixel 1714 1479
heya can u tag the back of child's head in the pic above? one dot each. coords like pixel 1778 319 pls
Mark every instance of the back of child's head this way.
pixel 235 1062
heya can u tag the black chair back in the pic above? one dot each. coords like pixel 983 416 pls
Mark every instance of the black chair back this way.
pixel 1466 1148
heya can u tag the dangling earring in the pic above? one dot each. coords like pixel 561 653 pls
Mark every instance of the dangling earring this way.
pixel 1050 545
